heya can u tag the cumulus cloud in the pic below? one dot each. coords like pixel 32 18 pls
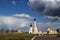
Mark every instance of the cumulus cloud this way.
pixel 52 17
pixel 13 22
pixel 45 26
pixel 13 2
pixel 22 16
pixel 46 7
pixel 22 21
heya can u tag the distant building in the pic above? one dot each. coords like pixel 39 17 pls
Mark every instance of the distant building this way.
pixel 31 29
pixel 44 33
pixel 34 30
pixel 19 31
pixel 49 31
pixel 40 32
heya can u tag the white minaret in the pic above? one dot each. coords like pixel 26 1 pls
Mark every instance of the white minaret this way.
pixel 30 30
pixel 35 28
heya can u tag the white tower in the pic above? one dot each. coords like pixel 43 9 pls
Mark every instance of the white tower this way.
pixel 35 28
pixel 30 30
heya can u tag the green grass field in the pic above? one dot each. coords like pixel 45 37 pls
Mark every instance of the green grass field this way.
pixel 16 36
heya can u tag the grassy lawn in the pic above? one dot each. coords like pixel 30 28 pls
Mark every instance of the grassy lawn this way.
pixel 16 36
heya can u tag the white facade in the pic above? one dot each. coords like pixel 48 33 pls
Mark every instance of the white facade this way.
pixel 35 30
pixel 30 30
pixel 52 31
pixel 40 32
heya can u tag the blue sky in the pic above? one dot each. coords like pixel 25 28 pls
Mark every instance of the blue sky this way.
pixel 7 8
pixel 10 10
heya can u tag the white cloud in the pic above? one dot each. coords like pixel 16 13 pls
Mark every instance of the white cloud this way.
pixel 22 15
pixel 12 22
pixel 13 2
pixel 52 17
pixel 45 26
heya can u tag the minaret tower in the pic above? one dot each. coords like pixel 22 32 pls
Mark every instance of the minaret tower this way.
pixel 30 30
pixel 35 28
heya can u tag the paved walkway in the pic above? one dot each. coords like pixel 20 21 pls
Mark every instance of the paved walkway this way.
pixel 46 38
